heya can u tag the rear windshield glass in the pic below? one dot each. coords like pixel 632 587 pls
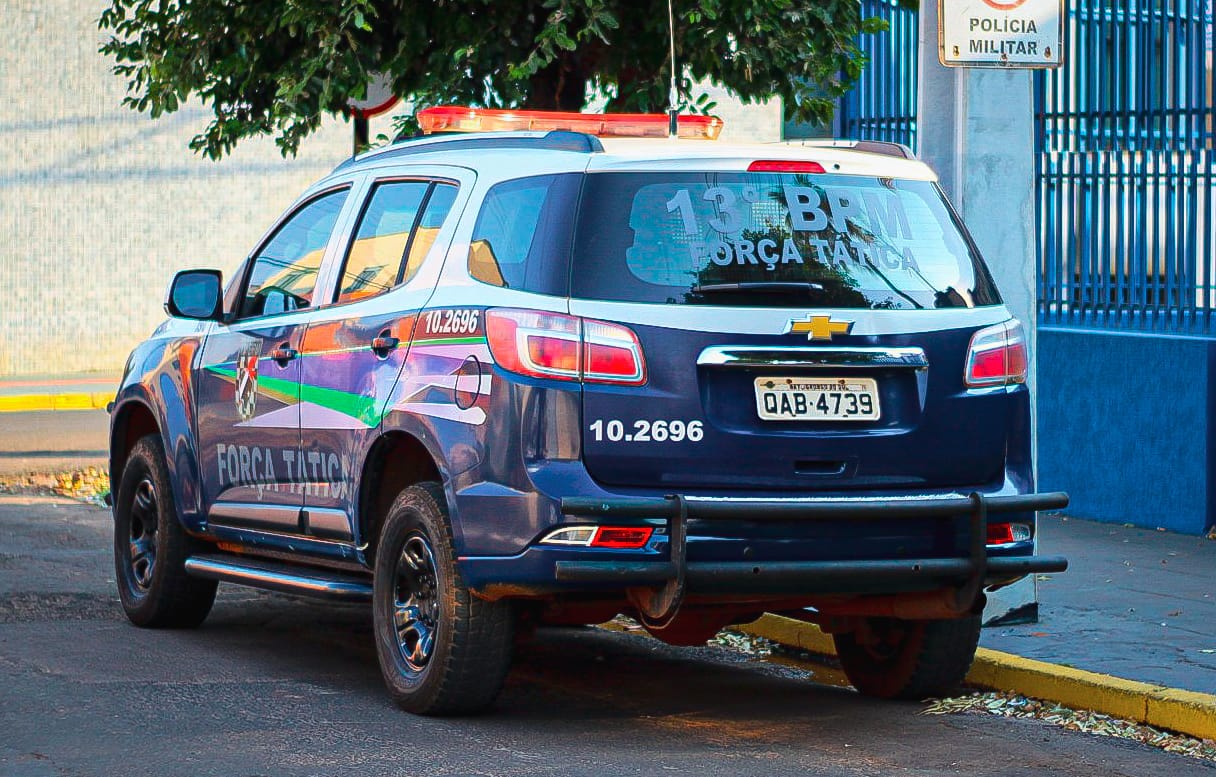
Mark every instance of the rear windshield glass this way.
pixel 773 239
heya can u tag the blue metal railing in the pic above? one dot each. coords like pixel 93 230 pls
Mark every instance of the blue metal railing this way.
pixel 1127 170
pixel 882 106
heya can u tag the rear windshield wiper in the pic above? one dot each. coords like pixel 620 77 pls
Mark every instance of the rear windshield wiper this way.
pixel 758 287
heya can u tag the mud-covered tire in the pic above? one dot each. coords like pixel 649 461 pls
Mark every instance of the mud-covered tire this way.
pixel 909 659
pixel 418 595
pixel 151 547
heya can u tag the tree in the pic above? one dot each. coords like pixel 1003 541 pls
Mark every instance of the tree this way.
pixel 279 68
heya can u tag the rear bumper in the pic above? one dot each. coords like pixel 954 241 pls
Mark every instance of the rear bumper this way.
pixel 791 578
pixel 549 570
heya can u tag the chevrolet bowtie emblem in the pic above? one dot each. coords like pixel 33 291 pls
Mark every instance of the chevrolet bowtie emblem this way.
pixel 820 327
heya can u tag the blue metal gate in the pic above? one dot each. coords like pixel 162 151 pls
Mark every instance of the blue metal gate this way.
pixel 882 106
pixel 1126 164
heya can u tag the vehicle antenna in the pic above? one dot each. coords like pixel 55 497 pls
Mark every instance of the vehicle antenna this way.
pixel 673 114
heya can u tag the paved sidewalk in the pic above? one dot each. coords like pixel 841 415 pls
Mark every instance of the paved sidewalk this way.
pixel 1134 603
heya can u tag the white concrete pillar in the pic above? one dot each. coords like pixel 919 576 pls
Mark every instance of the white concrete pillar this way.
pixel 975 127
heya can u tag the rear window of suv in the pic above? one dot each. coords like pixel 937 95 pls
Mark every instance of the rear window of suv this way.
pixel 765 239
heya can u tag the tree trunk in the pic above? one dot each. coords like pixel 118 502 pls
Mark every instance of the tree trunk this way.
pixel 562 86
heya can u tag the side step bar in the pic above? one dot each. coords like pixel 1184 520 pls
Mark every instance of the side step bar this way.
pixel 284 578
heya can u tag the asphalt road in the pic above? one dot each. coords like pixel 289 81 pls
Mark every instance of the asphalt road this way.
pixel 53 441
pixel 272 685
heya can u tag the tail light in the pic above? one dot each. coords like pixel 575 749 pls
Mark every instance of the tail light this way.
pixel 615 537
pixel 554 345
pixel 997 356
pixel 1005 533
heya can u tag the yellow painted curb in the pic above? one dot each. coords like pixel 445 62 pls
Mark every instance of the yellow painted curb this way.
pixel 25 403
pixel 1186 712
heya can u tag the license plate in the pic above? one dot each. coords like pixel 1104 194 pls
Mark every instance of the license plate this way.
pixel 817 399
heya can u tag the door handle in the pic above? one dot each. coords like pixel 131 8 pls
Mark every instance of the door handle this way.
pixel 384 343
pixel 283 354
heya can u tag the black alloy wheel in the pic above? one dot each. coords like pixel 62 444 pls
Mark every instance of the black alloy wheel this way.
pixel 143 521
pixel 442 650
pixel 416 606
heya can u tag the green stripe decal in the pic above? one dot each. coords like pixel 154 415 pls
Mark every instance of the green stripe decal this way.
pixel 358 406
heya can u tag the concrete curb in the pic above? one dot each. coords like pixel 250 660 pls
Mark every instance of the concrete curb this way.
pixel 25 403
pixel 1186 712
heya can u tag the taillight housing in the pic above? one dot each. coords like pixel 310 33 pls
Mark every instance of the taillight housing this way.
pixel 554 345
pixel 614 537
pixel 1006 533
pixel 997 356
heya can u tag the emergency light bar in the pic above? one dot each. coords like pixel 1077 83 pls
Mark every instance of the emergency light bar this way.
pixel 452 118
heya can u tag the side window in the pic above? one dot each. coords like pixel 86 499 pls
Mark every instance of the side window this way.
pixel 284 272
pixel 522 236
pixel 373 263
pixel 437 209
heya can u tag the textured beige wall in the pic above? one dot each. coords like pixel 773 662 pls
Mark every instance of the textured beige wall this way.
pixel 100 205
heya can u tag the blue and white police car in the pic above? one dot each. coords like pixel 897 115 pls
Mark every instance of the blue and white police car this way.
pixel 546 369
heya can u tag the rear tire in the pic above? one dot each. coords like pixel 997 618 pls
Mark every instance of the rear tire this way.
pixel 909 659
pixel 151 547
pixel 442 651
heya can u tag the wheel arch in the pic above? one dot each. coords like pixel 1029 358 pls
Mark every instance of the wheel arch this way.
pixel 138 413
pixel 131 421
pixel 396 460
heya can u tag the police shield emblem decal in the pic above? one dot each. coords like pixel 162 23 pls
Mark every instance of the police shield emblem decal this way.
pixel 246 385
pixel 819 327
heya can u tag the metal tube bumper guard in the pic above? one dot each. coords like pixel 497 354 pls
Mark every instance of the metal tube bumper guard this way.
pixel 970 573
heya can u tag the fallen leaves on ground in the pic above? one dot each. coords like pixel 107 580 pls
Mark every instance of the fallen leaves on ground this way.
pixel 88 485
pixel 1012 705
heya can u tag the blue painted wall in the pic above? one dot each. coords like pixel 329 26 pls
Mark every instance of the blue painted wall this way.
pixel 1126 426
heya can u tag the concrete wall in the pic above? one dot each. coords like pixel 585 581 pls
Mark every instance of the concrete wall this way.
pixel 99 205
pixel 1127 424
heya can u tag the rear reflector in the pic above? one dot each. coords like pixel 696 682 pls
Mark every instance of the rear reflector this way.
pixel 614 537
pixel 784 166
pixel 1004 533
pixel 622 537
pixel 997 356
pixel 554 345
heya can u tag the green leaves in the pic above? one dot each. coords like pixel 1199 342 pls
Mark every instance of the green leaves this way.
pixel 280 68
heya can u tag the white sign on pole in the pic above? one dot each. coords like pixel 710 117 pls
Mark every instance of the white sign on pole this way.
pixel 1001 33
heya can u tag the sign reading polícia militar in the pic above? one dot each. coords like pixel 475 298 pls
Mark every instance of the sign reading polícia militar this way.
pixel 1001 33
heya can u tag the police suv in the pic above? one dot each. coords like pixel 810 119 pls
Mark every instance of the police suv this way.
pixel 523 370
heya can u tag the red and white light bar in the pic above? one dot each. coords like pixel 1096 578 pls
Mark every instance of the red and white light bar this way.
pixel 453 118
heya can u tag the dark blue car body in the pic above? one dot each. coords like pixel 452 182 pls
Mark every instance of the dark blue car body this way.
pixel 289 427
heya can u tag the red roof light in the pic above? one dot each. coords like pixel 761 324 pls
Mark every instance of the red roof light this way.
pixel 453 118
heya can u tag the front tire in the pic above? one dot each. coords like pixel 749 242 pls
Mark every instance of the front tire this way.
pixel 891 658
pixel 442 651
pixel 151 547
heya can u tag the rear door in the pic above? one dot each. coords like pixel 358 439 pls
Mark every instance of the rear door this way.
pixel 801 332
pixel 355 347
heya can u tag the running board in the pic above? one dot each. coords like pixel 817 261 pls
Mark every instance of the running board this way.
pixel 284 578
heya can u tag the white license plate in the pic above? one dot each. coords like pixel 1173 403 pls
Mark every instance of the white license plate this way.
pixel 817 399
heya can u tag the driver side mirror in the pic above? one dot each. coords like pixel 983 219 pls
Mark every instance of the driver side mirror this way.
pixel 196 294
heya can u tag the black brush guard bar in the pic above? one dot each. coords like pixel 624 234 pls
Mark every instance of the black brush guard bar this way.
pixel 797 577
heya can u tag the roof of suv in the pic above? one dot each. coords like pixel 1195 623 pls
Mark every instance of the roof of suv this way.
pixel 575 152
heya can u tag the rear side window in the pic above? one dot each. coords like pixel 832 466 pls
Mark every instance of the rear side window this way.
pixel 522 236
pixel 397 229
pixel 765 239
